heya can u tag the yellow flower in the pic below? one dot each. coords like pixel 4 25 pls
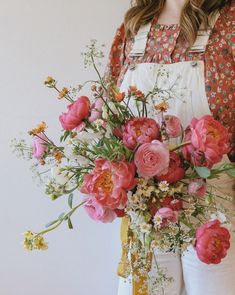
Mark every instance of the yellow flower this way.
pixel 39 129
pixel 49 82
pixel 63 93
pixel 58 156
pixel 162 107
pixel 29 235
pixel 39 243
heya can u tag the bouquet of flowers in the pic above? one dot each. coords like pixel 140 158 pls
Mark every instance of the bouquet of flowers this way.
pixel 149 171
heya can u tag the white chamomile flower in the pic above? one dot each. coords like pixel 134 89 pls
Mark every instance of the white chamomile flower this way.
pixel 145 228
pixel 134 199
pixel 157 220
pixel 99 123
pixel 88 137
pixel 61 177
pixel 163 186
pixel 143 206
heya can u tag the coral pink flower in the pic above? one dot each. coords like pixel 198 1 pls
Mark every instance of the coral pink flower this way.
pixel 152 159
pixel 173 126
pixel 97 212
pixel 39 146
pixel 171 203
pixel 77 111
pixel 109 182
pixel 139 131
pixel 96 110
pixel 164 216
pixel 175 171
pixel 197 188
pixel 212 242
pixel 210 141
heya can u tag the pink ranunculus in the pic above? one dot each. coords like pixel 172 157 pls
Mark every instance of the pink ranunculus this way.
pixel 175 171
pixel 77 112
pixel 39 146
pixel 140 130
pixel 173 126
pixel 96 110
pixel 197 188
pixel 212 242
pixel 210 141
pixel 97 212
pixel 166 215
pixel 109 183
pixel 152 159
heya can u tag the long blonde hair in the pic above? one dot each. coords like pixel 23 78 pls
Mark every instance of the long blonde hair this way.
pixel 194 13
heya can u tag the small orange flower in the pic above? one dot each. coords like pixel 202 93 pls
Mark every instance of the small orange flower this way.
pixel 63 93
pixel 39 129
pixel 119 96
pixel 162 107
pixel 58 156
pixel 132 89
pixel 93 87
pixel 140 95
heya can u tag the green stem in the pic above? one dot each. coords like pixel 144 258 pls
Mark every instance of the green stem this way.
pixel 60 221
pixel 181 145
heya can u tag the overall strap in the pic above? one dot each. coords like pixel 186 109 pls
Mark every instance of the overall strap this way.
pixel 204 35
pixel 140 40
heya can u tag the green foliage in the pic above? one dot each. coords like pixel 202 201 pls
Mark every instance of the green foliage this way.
pixel 112 149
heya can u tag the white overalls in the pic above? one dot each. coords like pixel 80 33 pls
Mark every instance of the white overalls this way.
pixel 184 82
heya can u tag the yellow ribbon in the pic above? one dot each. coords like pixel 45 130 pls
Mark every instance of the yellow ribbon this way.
pixel 140 286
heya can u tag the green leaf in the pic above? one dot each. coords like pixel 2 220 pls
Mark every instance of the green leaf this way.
pixel 231 172
pixel 51 223
pixel 70 225
pixel 203 172
pixel 70 201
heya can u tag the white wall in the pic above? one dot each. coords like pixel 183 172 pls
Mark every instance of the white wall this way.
pixel 40 38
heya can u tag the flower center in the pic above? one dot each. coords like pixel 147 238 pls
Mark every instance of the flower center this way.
pixel 138 130
pixel 217 244
pixel 105 182
pixel 213 132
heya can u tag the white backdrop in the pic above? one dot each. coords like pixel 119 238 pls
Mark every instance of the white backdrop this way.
pixel 41 38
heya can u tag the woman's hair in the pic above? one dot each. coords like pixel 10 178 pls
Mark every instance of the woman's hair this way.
pixel 195 12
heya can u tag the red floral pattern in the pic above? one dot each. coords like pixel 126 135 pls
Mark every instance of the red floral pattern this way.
pixel 164 46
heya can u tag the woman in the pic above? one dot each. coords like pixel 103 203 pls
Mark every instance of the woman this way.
pixel 193 40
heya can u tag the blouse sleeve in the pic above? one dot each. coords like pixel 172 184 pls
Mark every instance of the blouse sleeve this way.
pixel 116 55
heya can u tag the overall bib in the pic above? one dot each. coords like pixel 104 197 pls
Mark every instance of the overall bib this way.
pixel 183 85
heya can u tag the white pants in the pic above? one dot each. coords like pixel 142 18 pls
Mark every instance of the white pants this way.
pixel 191 276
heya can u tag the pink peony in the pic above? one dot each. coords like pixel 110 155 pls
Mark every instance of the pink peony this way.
pixel 164 216
pixel 171 203
pixel 139 131
pixel 175 171
pixel 96 110
pixel 77 112
pixel 109 182
pixel 212 242
pixel 197 188
pixel 97 212
pixel 39 146
pixel 172 126
pixel 152 159
pixel 210 141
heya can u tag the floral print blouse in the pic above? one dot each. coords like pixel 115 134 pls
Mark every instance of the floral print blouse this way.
pixel 164 46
